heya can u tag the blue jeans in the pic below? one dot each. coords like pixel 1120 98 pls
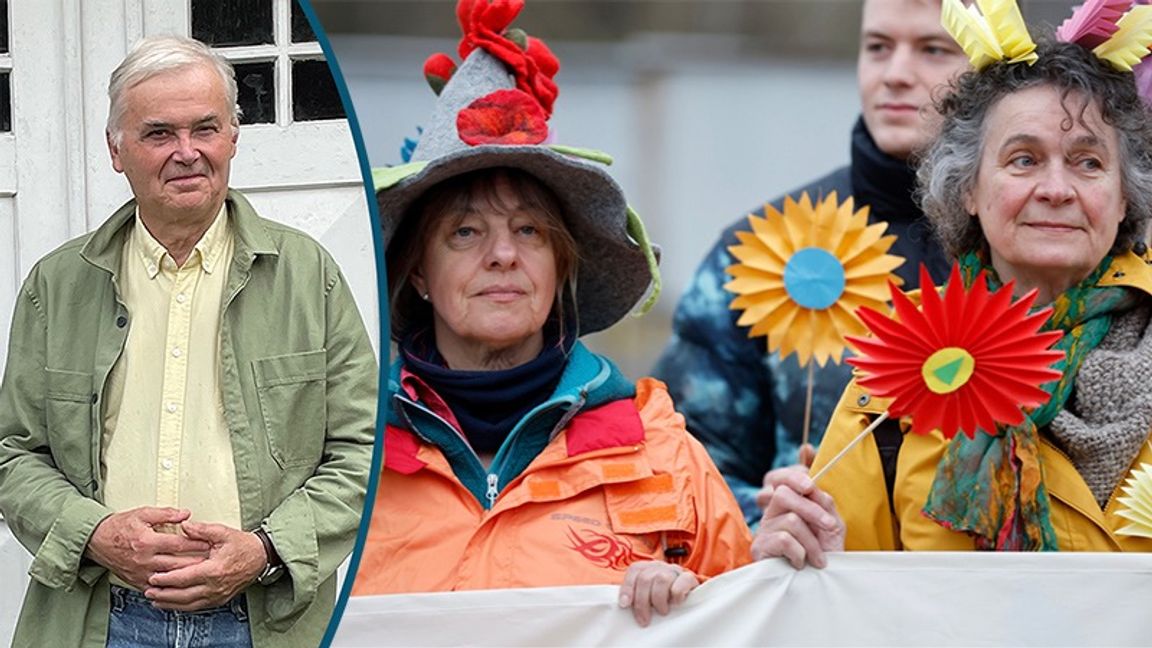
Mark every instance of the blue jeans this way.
pixel 135 623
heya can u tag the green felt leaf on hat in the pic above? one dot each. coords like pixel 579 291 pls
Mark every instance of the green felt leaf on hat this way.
pixel 637 231
pixel 386 177
pixel 585 153
pixel 518 36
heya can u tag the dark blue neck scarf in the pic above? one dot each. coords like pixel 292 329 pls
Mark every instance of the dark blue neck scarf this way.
pixel 488 404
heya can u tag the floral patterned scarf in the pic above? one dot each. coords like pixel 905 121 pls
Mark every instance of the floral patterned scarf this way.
pixel 993 486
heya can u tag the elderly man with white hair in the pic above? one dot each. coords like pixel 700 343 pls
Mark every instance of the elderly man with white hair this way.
pixel 188 406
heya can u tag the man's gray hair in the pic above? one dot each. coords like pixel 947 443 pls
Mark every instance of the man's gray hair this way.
pixel 158 54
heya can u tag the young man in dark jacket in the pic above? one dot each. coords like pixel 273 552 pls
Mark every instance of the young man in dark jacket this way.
pixel 744 404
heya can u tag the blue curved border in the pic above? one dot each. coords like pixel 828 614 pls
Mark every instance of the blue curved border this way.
pixel 382 301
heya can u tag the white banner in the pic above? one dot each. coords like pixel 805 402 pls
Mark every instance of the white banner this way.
pixel 861 599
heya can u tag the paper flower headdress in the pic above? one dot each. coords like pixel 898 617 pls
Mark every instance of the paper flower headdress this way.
pixel 962 362
pixel 804 271
pixel 994 30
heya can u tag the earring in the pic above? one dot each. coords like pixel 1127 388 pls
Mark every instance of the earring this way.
pixel 424 296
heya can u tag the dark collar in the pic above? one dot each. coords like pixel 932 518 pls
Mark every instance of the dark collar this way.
pixel 881 181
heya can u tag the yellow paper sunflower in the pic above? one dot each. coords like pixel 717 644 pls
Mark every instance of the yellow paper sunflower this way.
pixel 803 273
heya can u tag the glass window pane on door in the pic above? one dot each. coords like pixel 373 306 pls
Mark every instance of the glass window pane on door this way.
pixel 3 26
pixel 301 30
pixel 5 103
pixel 255 92
pixel 314 92
pixel 229 23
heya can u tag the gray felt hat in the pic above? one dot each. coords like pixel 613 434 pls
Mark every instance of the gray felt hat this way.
pixel 616 263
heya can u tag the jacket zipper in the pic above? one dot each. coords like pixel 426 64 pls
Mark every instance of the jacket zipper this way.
pixel 574 406
pixel 491 478
pixel 492 492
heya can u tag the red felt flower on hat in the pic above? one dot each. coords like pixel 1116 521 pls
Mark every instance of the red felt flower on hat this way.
pixel 964 362
pixel 503 117
pixel 542 65
pixel 484 24
pixel 483 20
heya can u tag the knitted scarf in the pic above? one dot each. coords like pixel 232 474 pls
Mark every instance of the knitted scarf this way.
pixel 992 486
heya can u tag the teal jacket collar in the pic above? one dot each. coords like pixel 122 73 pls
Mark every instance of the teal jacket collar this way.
pixel 588 381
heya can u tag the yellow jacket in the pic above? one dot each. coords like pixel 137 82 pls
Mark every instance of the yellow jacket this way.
pixel 856 482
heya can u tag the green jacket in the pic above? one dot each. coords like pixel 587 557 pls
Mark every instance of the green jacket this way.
pixel 299 382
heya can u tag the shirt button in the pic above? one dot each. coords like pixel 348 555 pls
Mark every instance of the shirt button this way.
pixel 863 400
pixel 167 463
pixel 151 269
pixel 180 298
pixel 176 352
pixel 121 322
pixel 172 408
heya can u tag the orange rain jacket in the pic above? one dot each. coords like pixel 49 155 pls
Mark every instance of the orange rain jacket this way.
pixel 616 482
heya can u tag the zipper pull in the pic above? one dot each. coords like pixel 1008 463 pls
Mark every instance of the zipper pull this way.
pixel 492 492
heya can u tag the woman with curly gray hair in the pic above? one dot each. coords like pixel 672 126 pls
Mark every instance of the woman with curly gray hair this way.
pixel 1042 175
pixel 949 171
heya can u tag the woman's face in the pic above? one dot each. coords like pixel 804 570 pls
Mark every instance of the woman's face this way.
pixel 490 276
pixel 1048 192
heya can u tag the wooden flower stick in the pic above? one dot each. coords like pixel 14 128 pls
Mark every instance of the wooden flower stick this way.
pixel 859 437
pixel 807 407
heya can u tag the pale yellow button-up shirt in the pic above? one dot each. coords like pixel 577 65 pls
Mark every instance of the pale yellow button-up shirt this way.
pixel 166 442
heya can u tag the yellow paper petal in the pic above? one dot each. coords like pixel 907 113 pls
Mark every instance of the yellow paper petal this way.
pixel 1131 41
pixel 1008 26
pixel 757 258
pixel 750 285
pixel 827 342
pixel 971 32
pixel 862 240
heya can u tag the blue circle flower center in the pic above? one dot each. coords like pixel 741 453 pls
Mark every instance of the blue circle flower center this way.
pixel 814 278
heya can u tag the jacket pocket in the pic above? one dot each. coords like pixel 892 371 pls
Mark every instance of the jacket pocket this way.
pixel 291 392
pixel 68 410
pixel 659 502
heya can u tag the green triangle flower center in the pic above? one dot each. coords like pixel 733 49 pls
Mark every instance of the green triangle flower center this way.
pixel 947 370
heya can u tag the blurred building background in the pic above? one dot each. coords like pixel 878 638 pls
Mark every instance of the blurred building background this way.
pixel 710 107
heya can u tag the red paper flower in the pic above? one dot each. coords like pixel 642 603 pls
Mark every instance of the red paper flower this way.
pixel 502 117
pixel 964 362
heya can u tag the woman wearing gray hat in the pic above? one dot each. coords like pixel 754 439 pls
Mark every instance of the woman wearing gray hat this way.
pixel 514 456
pixel 1042 175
